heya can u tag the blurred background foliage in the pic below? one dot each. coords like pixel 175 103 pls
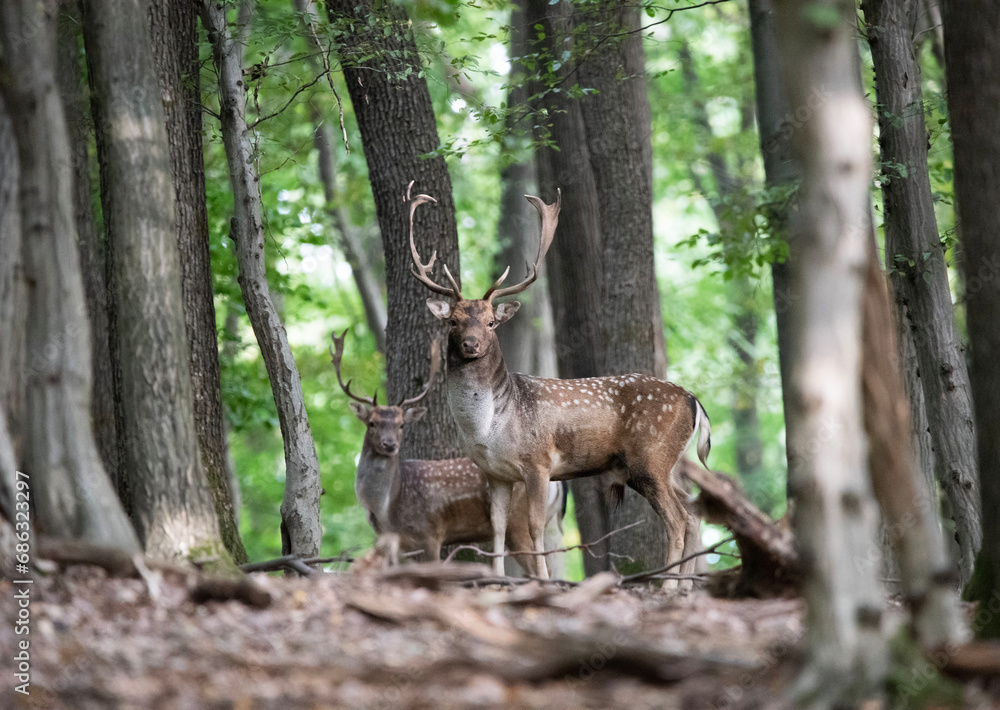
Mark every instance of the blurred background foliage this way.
pixel 465 60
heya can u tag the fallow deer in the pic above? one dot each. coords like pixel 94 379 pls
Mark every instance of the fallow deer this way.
pixel 429 503
pixel 535 430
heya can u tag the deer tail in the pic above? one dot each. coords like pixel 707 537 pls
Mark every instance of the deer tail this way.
pixel 704 430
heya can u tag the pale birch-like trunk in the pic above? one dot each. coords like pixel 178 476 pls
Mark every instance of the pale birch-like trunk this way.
pixel 916 261
pixel 170 500
pixel 72 494
pixel 835 518
pixel 300 515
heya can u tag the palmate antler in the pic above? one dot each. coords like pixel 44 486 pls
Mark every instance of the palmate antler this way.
pixel 550 219
pixel 423 271
pixel 337 355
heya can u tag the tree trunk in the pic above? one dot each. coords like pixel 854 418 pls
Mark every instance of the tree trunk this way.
pixel 171 504
pixel 616 139
pixel 973 71
pixel 300 506
pixel 369 287
pixel 835 512
pixel 92 257
pixel 13 302
pixel 72 494
pixel 175 49
pixel 782 170
pixel 909 510
pixel 13 288
pixel 574 261
pixel 396 119
pixel 916 260
pixel 522 340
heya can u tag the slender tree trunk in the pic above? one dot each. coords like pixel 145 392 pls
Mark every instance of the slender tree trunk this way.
pixel 616 121
pixel 916 260
pixel 72 494
pixel 13 310
pixel 171 502
pixel 396 119
pixel 175 49
pixel 13 288
pixel 574 261
pixel 973 70
pixel 350 241
pixel 92 257
pixel 522 339
pixel 301 533
pixel 835 512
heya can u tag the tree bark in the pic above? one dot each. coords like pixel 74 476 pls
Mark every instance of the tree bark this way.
pixel 396 118
pixel 369 286
pixel 835 512
pixel 171 504
pixel 973 72
pixel 776 126
pixel 92 257
pixel 301 532
pixel 526 346
pixel 614 119
pixel 915 259
pixel 71 492
pixel 175 49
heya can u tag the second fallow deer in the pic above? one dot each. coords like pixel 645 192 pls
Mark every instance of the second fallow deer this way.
pixel 429 504
pixel 533 430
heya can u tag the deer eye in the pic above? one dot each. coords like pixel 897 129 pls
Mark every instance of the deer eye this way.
pixel 492 323
pixel 453 322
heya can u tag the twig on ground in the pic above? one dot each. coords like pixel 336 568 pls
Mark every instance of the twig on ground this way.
pixel 581 546
pixel 294 562
pixel 651 573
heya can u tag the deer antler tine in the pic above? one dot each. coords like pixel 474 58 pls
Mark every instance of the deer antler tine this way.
pixel 336 357
pixel 454 284
pixel 488 296
pixel 420 270
pixel 434 372
pixel 550 219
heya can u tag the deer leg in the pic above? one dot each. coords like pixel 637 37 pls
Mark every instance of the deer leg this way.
pixel 671 510
pixel 432 551
pixel 500 493
pixel 536 488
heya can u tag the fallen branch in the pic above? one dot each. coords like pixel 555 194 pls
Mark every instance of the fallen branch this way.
pixel 223 590
pixel 114 561
pixel 638 576
pixel 294 563
pixel 581 546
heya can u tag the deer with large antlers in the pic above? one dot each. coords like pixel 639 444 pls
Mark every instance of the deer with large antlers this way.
pixel 429 504
pixel 531 430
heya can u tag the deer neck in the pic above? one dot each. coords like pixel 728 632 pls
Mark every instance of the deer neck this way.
pixel 377 484
pixel 480 392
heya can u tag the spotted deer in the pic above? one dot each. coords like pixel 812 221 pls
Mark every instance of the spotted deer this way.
pixel 430 503
pixel 532 430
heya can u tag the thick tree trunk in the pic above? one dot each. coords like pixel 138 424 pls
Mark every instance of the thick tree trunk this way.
pixel 835 513
pixel 973 71
pixel 13 288
pixel 369 287
pixel 72 494
pixel 171 503
pixel 614 119
pixel 396 119
pixel 574 261
pixel 916 260
pixel 175 49
pixel 301 532
pixel 526 346
pixel 92 257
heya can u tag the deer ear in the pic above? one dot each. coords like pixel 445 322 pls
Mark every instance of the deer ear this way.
pixel 414 414
pixel 361 411
pixel 506 311
pixel 440 309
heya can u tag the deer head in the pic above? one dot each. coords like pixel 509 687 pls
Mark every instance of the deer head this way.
pixel 384 423
pixel 473 322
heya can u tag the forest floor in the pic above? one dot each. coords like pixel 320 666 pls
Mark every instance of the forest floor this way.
pixel 406 641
